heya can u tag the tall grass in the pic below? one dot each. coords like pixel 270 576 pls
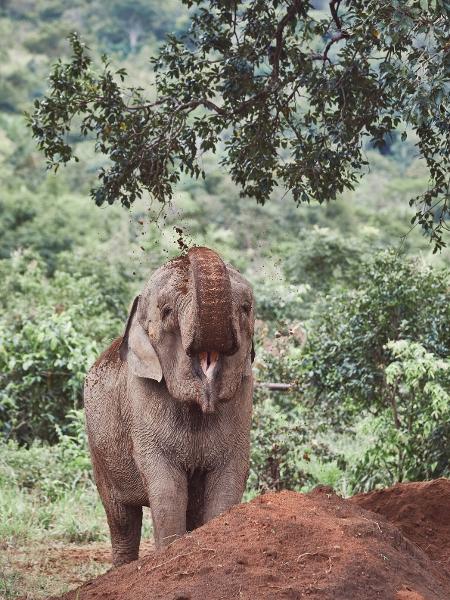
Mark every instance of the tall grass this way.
pixel 47 493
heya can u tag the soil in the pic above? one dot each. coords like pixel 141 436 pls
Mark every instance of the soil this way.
pixel 36 570
pixel 420 510
pixel 64 560
pixel 294 546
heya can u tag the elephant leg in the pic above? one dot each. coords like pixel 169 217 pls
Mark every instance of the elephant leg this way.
pixel 196 499
pixel 125 524
pixel 224 487
pixel 167 493
pixel 124 521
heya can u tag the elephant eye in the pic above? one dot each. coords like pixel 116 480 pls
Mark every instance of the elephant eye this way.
pixel 165 312
pixel 247 307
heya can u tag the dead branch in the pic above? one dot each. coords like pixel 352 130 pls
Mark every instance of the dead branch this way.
pixel 275 387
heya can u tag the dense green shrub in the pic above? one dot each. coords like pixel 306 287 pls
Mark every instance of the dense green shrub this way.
pixel 280 302
pixel 413 434
pixel 321 258
pixel 50 221
pixel 381 350
pixel 347 353
pixel 281 446
pixel 51 331
pixel 50 471
pixel 383 343
pixel 287 452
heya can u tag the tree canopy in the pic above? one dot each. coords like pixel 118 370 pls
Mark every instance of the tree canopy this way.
pixel 290 94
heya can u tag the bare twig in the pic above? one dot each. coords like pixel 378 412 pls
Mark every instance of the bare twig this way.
pixel 319 553
pixel 336 37
pixel 170 560
pixel 191 105
pixel 179 556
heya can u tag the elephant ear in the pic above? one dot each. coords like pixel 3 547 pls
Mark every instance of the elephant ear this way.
pixel 248 368
pixel 137 350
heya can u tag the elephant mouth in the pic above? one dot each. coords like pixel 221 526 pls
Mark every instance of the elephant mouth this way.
pixel 208 363
pixel 206 367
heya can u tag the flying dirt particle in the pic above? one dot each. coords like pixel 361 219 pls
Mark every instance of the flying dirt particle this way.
pixel 180 240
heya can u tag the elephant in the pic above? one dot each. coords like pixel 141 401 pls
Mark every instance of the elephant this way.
pixel 168 405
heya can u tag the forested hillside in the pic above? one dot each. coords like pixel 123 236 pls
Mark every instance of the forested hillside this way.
pixel 353 306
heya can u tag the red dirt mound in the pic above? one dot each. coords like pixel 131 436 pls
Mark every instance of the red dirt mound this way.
pixel 420 510
pixel 281 546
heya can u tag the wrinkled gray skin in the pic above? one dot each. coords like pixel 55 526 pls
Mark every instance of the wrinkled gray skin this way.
pixel 168 405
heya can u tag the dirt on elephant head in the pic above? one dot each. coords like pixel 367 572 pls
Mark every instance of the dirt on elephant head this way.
pixel 293 546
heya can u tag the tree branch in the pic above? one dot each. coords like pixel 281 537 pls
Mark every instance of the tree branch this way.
pixel 191 105
pixel 288 17
pixel 336 37
pixel 340 35
pixel 276 387
pixel 334 7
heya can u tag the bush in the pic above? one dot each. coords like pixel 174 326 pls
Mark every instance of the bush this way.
pixel 48 490
pixel 347 354
pixel 49 471
pixel 289 450
pixel 382 350
pixel 279 303
pixel 280 449
pixel 51 331
pixel 323 258
pixel 286 452
pixel 413 434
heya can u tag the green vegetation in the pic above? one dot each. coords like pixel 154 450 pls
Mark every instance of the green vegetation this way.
pixel 46 347
pixel 46 497
pixel 377 355
pixel 46 492
pixel 292 96
pixel 351 312
pixel 413 436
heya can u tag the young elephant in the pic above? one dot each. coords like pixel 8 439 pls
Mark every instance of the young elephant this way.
pixel 168 405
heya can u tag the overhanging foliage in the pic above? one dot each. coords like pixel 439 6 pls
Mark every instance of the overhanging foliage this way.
pixel 291 91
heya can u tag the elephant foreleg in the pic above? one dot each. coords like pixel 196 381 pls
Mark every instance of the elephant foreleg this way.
pixel 224 487
pixel 167 493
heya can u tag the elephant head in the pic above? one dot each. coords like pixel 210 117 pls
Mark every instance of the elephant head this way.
pixel 192 326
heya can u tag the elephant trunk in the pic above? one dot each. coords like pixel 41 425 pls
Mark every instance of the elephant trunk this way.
pixel 212 328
